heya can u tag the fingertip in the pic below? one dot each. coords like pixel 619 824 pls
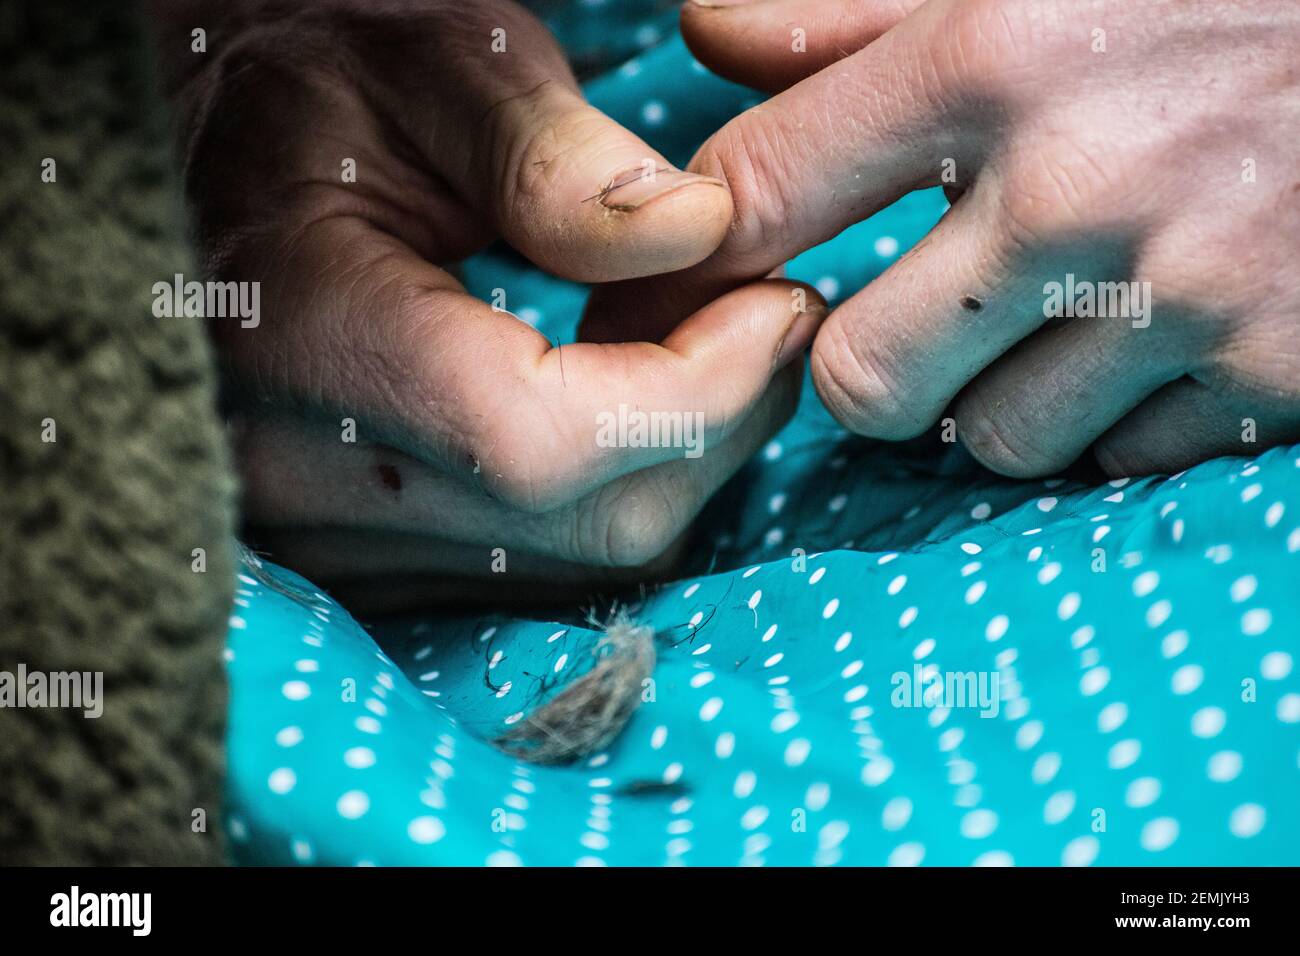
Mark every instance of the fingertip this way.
pixel 651 227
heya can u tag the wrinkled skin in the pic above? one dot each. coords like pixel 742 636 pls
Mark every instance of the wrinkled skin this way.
pixel 472 433
pixel 1159 150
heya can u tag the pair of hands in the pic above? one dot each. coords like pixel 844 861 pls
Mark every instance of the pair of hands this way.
pixel 1158 150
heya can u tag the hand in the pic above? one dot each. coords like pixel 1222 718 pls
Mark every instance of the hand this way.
pixel 472 433
pixel 1087 141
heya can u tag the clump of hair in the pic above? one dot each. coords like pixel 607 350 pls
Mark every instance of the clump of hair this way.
pixel 589 714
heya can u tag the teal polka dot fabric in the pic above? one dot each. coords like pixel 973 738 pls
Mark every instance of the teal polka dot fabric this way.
pixel 880 654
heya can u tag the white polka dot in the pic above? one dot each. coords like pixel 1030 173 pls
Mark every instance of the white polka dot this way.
pixel 1187 678
pixel 1142 792
pixel 367 725
pixel 745 783
pixel 725 745
pixel 1081 851
pixel 1145 583
pixel 818 795
pixel 896 814
pixel 282 780
pixel 1094 681
pixel 907 617
pixel 796 752
pixel 975 592
pixel 359 758
pixel 1256 621
pixel 1208 722
pixel 1159 834
pixel 1288 709
pixel 426 830
pixel 1243 588
pixel 981 511
pixel 353 804
pixel 296 690
pixel 1224 766
pixel 978 824
pixel 1247 820
pixel 1028 735
pixel 710 708
pixel 877 771
pixel 997 627
pixel 1059 806
pixel 994 858
pixel 897 584
pixel 1124 754
pixel 828 286
pixel 784 721
pixel 1046 768
pixel 1158 613
pixel 1174 643
pixel 886 246
pixel 1276 665
pixel 831 607
pixel 1068 606
pixel 653 113
pixel 908 854
pixel 1046 504
pixel 289 737
pixel 753 818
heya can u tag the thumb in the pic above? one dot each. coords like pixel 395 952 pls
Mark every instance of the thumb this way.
pixel 487 97
pixel 584 198
pixel 773 44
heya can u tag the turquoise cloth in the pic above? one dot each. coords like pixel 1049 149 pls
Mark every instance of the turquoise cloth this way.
pixel 1135 642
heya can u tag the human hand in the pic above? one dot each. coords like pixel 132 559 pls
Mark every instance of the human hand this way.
pixel 1143 143
pixel 392 431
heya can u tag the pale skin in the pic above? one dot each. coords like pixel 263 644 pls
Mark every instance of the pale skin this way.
pixel 1160 150
pixel 1125 164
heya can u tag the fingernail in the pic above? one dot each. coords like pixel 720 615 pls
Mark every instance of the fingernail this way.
pixel 637 187
pixel 803 329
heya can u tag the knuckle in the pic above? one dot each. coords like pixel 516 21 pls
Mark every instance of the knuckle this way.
pixel 635 522
pixel 860 389
pixel 1054 189
pixel 998 437
pixel 517 472
pixel 982 45
pixel 750 157
pixel 1117 457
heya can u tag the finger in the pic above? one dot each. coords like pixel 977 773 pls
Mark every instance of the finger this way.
pixel 800 172
pixel 395 345
pixel 300 475
pixel 773 44
pixel 892 357
pixel 326 554
pixel 1040 406
pixel 1188 422
pixel 486 94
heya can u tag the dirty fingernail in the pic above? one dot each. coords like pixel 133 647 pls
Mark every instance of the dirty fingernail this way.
pixel 634 189
pixel 800 334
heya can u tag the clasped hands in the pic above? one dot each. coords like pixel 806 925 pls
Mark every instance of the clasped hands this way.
pixel 1092 142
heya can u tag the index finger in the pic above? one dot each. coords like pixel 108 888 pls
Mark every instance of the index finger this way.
pixel 359 327
pixel 812 161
